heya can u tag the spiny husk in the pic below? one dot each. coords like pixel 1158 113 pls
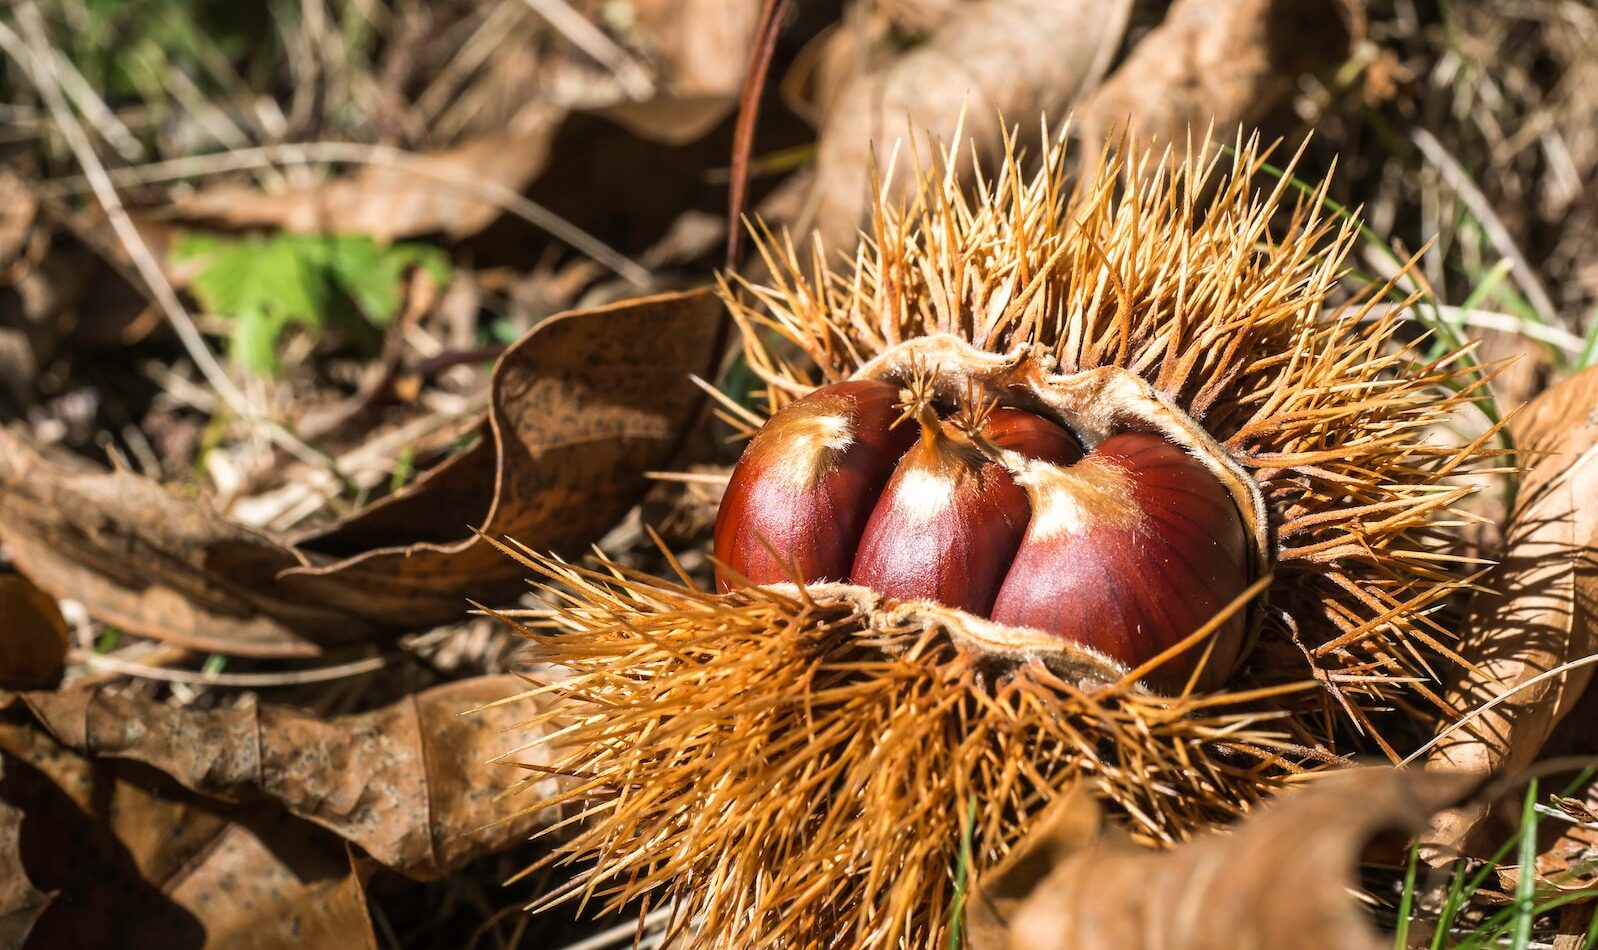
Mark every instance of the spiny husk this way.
pixel 791 773
pixel 1209 281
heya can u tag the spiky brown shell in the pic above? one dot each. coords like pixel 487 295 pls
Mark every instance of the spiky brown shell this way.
pixel 794 768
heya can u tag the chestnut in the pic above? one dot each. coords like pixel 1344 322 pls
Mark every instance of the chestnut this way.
pixel 951 517
pixel 801 493
pixel 1127 553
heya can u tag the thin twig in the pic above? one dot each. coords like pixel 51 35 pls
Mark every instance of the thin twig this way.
pixel 743 137
pixel 630 74
pixel 691 478
pixel 1491 320
pixel 319 674
pixel 116 134
pixel 623 933
pixel 1476 713
pixel 383 156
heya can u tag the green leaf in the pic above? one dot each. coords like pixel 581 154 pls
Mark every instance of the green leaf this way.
pixel 267 284
pixel 255 342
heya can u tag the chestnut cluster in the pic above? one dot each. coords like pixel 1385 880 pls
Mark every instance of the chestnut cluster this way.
pixel 1125 547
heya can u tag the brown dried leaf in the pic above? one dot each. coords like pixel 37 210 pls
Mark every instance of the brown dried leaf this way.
pixel 20 902
pixel 1072 822
pixel 152 563
pixel 1227 61
pixel 1536 610
pixel 701 47
pixel 1287 870
pixel 137 861
pixel 442 192
pixel 581 407
pixel 1018 58
pixel 411 783
pixel 34 639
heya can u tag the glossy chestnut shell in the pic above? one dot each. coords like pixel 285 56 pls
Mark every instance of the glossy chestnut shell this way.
pixel 1123 550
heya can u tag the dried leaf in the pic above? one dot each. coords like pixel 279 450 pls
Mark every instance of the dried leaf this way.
pixel 152 563
pixel 1230 62
pixel 1015 58
pixel 701 47
pixel 410 783
pixel 1567 858
pixel 441 191
pixel 20 902
pixel 33 642
pixel 251 890
pixel 581 407
pixel 1537 606
pixel 137 861
pixel 1286 870
pixel 1072 822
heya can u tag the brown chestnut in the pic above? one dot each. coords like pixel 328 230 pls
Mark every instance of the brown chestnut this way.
pixel 951 517
pixel 802 491
pixel 1128 553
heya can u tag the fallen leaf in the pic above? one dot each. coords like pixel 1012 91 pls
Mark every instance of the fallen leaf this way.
pixel 1072 822
pixel 20 902
pixel 136 861
pixel 1230 62
pixel 1535 611
pixel 1012 58
pixel 701 47
pixel 1286 870
pixel 581 407
pixel 34 640
pixel 142 558
pixel 435 191
pixel 410 783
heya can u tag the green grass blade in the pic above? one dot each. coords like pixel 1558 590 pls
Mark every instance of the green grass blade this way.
pixel 1526 885
pixel 1406 902
pixel 962 874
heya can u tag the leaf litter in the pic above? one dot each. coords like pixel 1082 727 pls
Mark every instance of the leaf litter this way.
pixel 276 838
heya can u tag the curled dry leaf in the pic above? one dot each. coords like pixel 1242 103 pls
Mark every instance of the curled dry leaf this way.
pixel 410 783
pixel 1015 58
pixel 581 407
pixel 134 860
pixel 1535 609
pixel 1288 869
pixel 1230 62
pixel 1072 823
pixel 33 641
